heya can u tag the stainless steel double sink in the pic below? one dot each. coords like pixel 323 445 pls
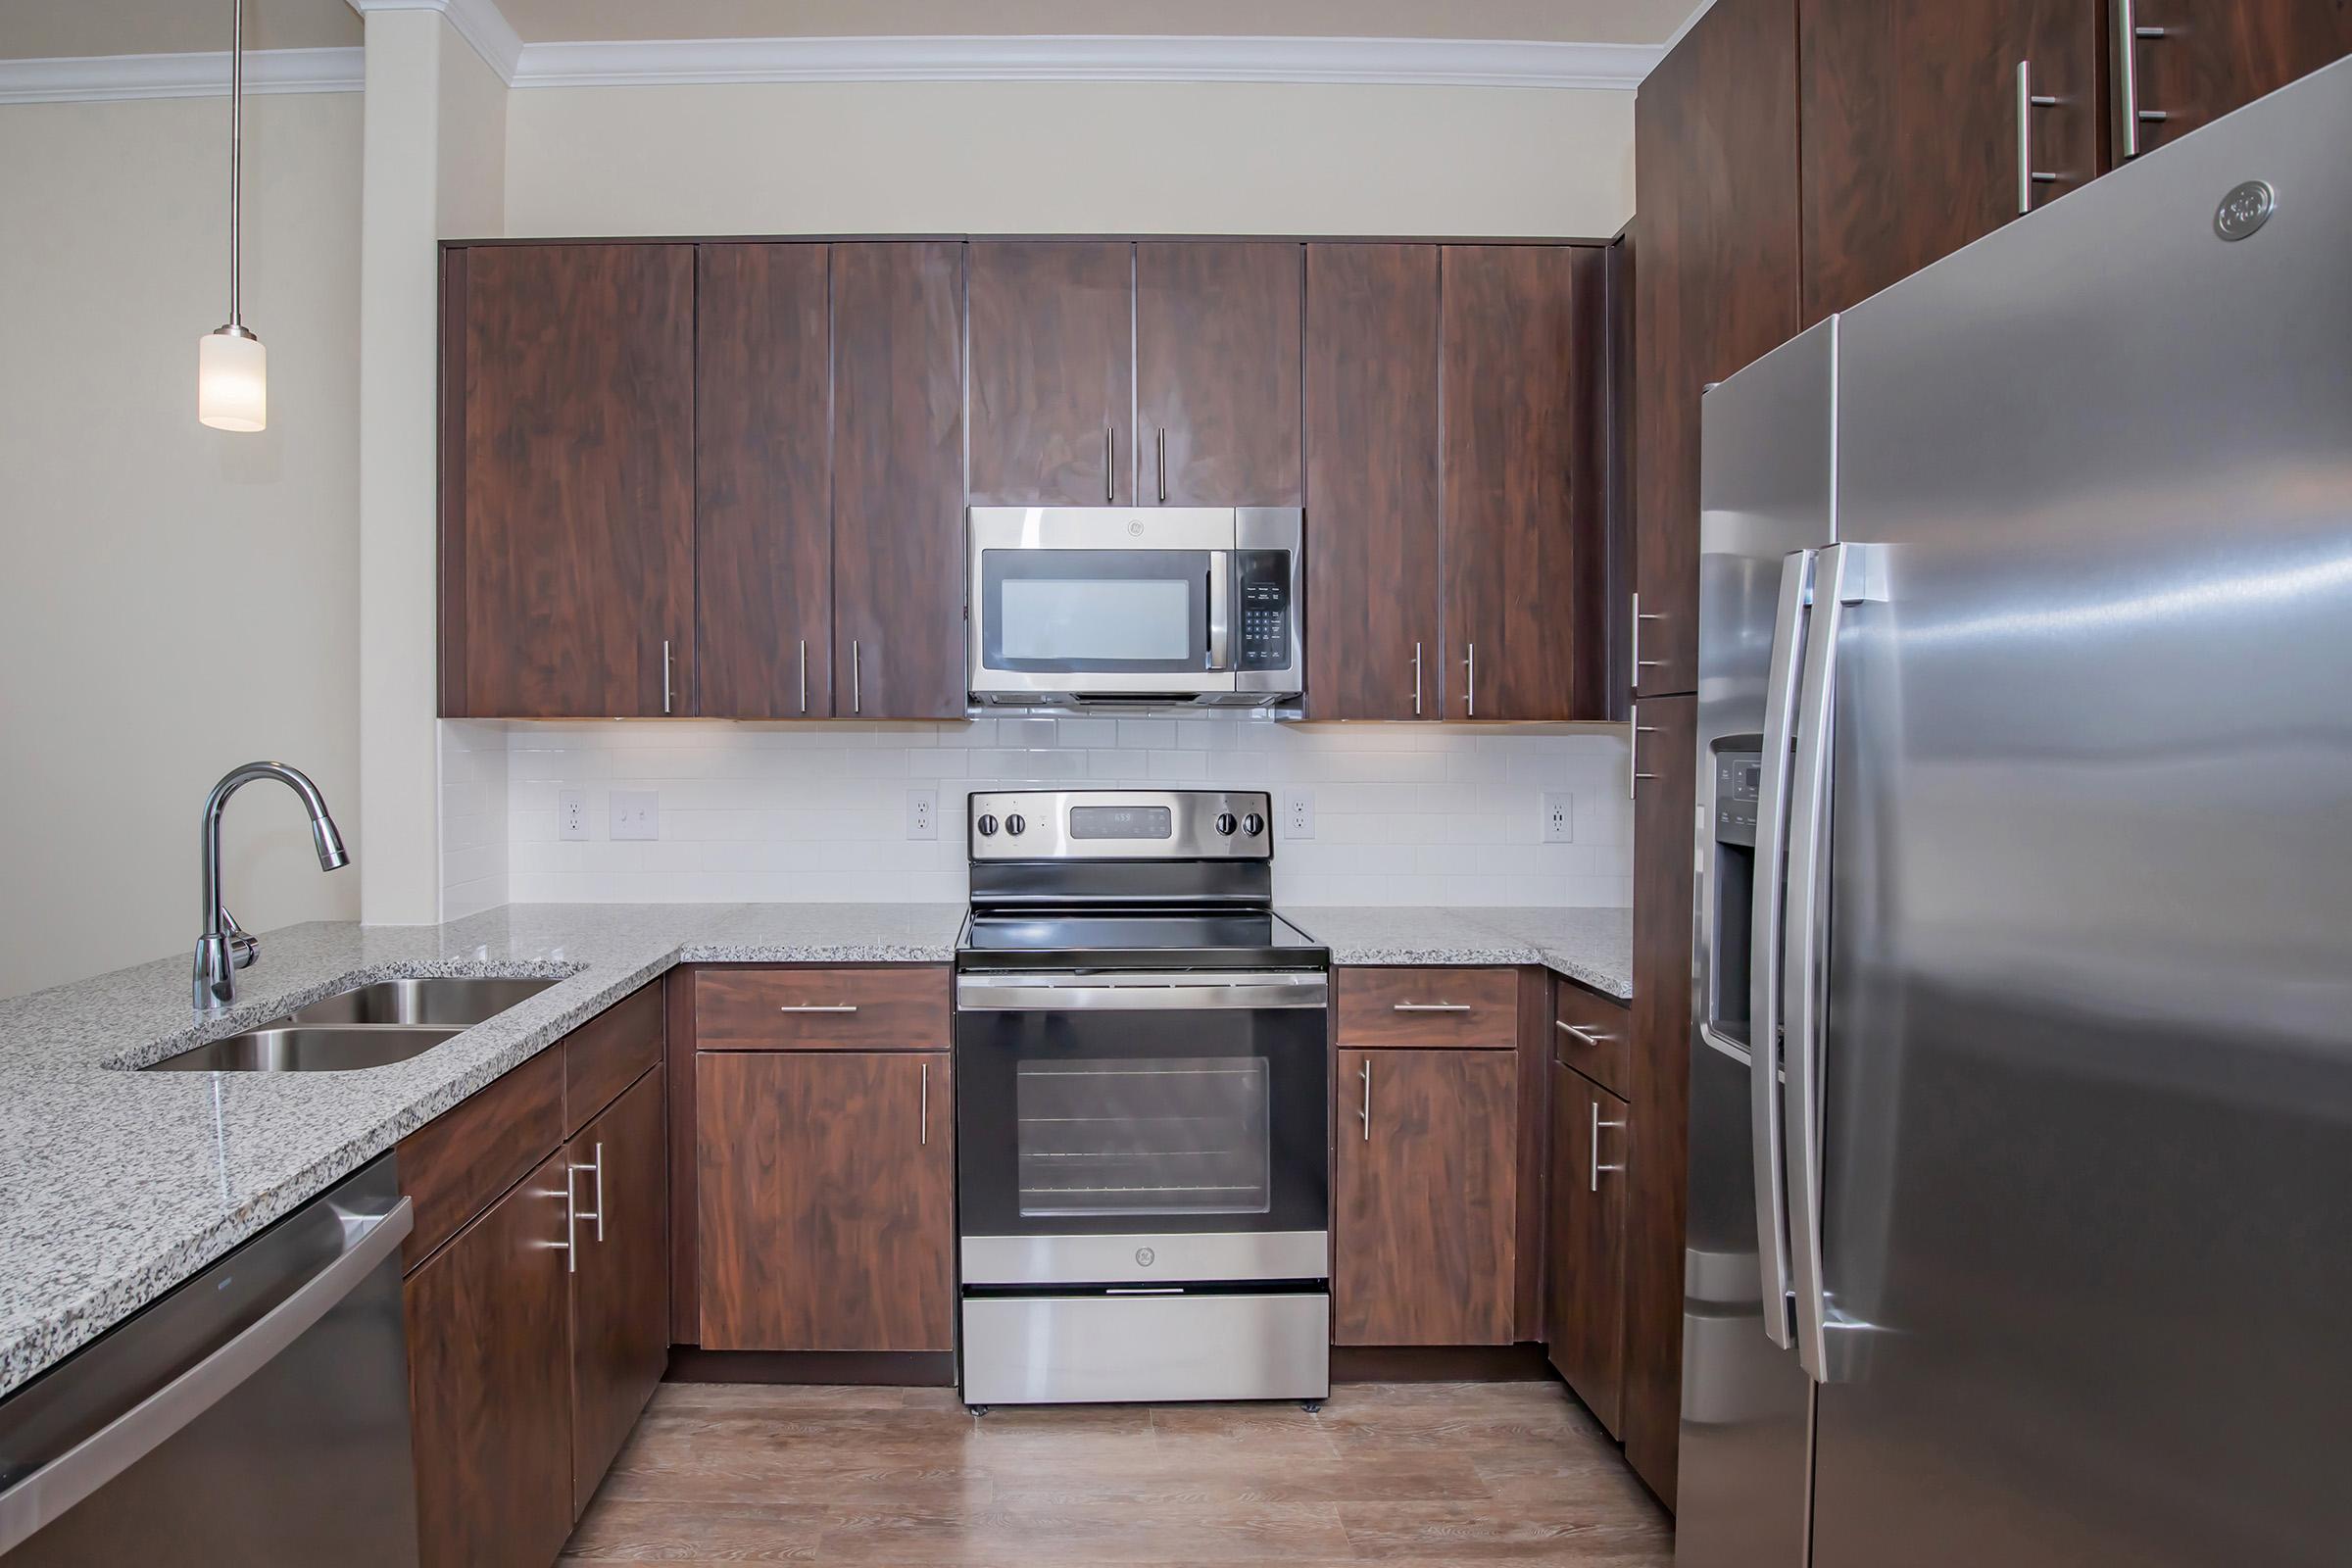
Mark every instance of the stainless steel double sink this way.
pixel 368 1026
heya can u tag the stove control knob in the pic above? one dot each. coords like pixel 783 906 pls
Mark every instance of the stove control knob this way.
pixel 1253 824
pixel 1225 823
pixel 1014 825
pixel 987 826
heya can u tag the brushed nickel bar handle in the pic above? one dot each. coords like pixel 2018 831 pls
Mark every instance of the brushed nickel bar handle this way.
pixel 1470 684
pixel 2129 116
pixel 819 1007
pixel 1433 1007
pixel 2028 100
pixel 665 674
pixel 1416 680
pixel 1109 490
pixel 1366 1112
pixel 924 1137
pixel 803 674
pixel 1163 464
pixel 1598 1125
pixel 598 1215
pixel 856 678
pixel 569 1246
pixel 1586 1035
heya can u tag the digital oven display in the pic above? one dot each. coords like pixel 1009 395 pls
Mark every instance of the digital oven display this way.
pixel 1122 822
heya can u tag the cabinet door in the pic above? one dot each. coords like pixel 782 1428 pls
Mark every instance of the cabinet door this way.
pixel 1584 1310
pixel 763 482
pixel 1373 588
pixel 2207 57
pixel 898 480
pixel 1715 284
pixel 567 531
pixel 1216 374
pixel 827 1200
pixel 1053 395
pixel 1665 747
pixel 1423 1246
pixel 620 1291
pixel 490 1384
pixel 1911 143
pixel 1525 532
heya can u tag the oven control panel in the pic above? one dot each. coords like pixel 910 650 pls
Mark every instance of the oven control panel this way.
pixel 1121 825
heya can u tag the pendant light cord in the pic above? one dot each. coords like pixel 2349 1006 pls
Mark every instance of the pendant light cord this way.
pixel 236 153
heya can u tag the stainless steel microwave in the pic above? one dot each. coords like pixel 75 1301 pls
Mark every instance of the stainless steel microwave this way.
pixel 1136 604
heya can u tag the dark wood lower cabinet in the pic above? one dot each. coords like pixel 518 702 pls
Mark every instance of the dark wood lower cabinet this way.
pixel 1424 1249
pixel 490 1385
pixel 826 1198
pixel 1584 1307
pixel 621 1288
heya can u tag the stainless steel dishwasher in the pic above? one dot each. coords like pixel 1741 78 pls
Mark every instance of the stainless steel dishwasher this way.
pixel 257 1416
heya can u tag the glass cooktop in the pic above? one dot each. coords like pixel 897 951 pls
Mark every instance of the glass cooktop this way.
pixel 1196 939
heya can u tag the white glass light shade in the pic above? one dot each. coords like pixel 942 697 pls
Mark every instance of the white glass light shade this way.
pixel 232 381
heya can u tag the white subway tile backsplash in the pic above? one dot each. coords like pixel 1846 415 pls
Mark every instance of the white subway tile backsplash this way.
pixel 1407 813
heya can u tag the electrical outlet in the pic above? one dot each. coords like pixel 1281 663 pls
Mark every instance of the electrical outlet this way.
pixel 922 813
pixel 572 814
pixel 1559 817
pixel 636 815
pixel 1299 814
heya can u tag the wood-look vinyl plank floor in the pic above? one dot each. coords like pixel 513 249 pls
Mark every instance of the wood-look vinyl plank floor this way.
pixel 1428 1474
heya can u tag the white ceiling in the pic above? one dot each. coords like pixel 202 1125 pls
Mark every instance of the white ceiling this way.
pixel 41 28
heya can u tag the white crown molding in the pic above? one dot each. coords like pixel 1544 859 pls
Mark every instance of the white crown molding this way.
pixel 1683 32
pixel 1408 61
pixel 103 78
pixel 478 22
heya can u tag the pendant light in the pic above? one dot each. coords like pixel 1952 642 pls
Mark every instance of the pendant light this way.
pixel 233 369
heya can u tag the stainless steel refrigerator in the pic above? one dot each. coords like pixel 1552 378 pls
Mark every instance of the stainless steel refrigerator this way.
pixel 2021 1099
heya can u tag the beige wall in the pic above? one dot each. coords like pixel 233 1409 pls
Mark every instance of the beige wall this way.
pixel 174 600
pixel 1069 157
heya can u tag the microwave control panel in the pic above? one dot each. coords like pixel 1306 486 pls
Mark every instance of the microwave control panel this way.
pixel 1263 578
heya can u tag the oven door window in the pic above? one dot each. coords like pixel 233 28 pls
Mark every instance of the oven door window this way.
pixel 1109 611
pixel 1151 1137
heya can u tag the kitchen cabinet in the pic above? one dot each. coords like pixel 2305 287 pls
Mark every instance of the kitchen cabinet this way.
pixel 1051 376
pixel 1428 1006
pixel 490 1384
pixel 1523 487
pixel 762 481
pixel 1217 327
pixel 1424 1249
pixel 1716 284
pixel 898 480
pixel 1375 593
pixel 1665 764
pixel 1914 140
pixel 1584 1317
pixel 2179 64
pixel 620 1282
pixel 901 1007
pixel 567 564
pixel 826 1198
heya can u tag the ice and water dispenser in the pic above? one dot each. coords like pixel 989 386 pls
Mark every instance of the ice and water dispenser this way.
pixel 1731 880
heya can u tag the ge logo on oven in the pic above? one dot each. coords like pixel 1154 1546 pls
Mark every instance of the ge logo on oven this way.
pixel 1145 1257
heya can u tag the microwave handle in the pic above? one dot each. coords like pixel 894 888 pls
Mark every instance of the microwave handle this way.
pixel 1220 609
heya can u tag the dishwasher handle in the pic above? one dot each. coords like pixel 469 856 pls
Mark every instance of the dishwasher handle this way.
pixel 31 1504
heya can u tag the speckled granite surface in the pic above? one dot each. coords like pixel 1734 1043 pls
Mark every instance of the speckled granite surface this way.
pixel 1593 946
pixel 116 1184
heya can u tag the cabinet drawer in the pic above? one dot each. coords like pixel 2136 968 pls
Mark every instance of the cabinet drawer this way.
pixel 1429 1006
pixel 609 1053
pixel 899 1009
pixel 458 1164
pixel 1592 1034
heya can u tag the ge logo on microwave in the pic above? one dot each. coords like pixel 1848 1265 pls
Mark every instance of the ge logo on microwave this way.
pixel 1145 1257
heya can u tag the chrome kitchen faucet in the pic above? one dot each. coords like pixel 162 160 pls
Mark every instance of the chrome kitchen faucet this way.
pixel 225 947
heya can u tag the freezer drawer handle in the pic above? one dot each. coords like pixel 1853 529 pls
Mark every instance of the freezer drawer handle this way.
pixel 42 1497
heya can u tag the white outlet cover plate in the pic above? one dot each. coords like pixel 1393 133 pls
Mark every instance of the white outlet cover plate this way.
pixel 636 815
pixel 1559 816
pixel 1298 813
pixel 572 815
pixel 922 813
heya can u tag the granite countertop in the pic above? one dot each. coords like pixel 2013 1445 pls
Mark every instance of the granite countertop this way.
pixel 1593 947
pixel 116 1184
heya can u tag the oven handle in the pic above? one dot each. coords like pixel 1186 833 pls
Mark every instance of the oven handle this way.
pixel 1058 992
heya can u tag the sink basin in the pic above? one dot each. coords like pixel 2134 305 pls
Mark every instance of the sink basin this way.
pixel 438 1002
pixel 298 1047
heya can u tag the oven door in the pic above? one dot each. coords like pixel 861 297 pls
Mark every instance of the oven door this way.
pixel 1161 1127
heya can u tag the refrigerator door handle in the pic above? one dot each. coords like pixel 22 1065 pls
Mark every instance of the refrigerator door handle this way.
pixel 1764 973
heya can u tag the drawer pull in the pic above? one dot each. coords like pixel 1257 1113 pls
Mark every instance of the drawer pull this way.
pixel 813 1006
pixel 1434 1007
pixel 1586 1035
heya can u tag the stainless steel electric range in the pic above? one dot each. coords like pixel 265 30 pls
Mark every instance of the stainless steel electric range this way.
pixel 1143 1106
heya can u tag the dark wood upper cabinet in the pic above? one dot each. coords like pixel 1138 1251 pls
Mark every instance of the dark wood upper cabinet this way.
pixel 826 1192
pixel 898 480
pixel 1716 284
pixel 1424 1249
pixel 567 536
pixel 621 1288
pixel 763 482
pixel 490 1384
pixel 1524 493
pixel 2193 60
pixel 1377 646
pixel 1217 373
pixel 1910 143
pixel 1051 386
pixel 1583 1308
pixel 1665 751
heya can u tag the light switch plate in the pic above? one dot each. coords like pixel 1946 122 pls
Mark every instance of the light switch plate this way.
pixel 1559 817
pixel 922 813
pixel 572 814
pixel 1298 813
pixel 636 815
